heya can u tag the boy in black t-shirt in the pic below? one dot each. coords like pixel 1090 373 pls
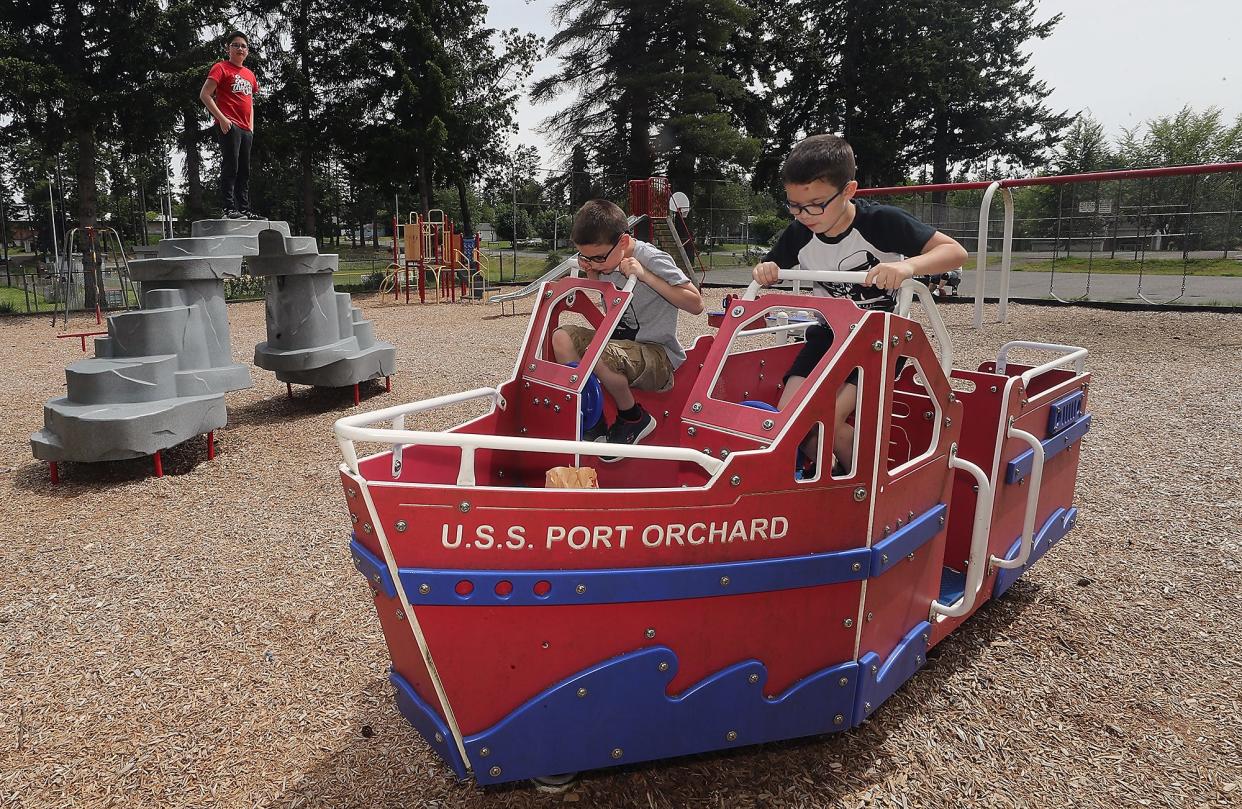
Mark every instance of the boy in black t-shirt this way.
pixel 833 232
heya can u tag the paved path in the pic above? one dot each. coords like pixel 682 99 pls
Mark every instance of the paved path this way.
pixel 1199 290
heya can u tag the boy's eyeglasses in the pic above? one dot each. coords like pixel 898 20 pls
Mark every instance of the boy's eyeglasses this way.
pixel 814 208
pixel 603 258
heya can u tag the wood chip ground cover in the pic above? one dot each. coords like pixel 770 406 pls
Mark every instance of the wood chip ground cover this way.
pixel 203 640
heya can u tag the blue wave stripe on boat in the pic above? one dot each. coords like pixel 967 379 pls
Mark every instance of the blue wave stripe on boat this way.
pixel 427 722
pixel 879 681
pixel 1054 529
pixel 618 712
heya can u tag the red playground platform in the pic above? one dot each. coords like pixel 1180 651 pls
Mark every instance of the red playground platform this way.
pixel 727 584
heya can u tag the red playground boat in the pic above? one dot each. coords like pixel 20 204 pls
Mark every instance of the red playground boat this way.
pixel 726 584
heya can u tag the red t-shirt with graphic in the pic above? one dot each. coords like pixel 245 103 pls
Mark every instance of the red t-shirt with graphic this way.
pixel 235 89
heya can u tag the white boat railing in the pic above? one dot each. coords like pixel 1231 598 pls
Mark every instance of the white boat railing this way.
pixel 360 427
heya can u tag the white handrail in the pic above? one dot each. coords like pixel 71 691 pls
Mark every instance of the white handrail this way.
pixel 905 295
pixel 1074 354
pixel 981 253
pixel 977 565
pixel 1032 501
pixel 397 414
pixel 827 276
pixel 354 428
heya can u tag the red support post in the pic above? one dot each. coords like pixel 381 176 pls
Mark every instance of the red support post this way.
pixel 159 465
pixel 211 445
pixel 388 384
pixel 54 471
pixel 289 389
pixel 357 395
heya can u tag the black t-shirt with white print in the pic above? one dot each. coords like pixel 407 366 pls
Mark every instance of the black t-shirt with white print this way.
pixel 879 233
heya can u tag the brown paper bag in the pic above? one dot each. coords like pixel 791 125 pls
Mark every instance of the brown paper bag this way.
pixel 571 477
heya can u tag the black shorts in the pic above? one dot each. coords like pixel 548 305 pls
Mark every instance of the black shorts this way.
pixel 818 341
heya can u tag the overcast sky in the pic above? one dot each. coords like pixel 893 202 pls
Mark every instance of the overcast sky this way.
pixel 1125 61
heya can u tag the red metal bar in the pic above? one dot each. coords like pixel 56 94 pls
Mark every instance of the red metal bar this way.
pixel 211 444
pixel 388 384
pixel 357 395
pixel 289 389
pixel 82 335
pixel 159 465
pixel 1058 179
pixel 54 471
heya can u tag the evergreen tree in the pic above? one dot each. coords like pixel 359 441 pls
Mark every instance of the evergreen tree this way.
pixel 940 84
pixel 68 78
pixel 656 86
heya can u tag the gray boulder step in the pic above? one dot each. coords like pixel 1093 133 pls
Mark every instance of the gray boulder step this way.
pixel 113 432
pixel 211 246
pixel 116 381
pixel 236 227
pixel 185 268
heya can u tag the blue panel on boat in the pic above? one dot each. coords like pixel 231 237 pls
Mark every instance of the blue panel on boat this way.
pixel 952 586
pixel 1053 530
pixel 1064 412
pixel 877 682
pixel 492 588
pixel 372 568
pixel 618 712
pixel 907 539
pixel 1021 466
pixel 427 722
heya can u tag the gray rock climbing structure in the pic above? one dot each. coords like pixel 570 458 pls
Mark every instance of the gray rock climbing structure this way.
pixel 160 375
pixel 315 335
pixel 149 387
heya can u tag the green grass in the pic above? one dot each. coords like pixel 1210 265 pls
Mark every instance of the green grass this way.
pixel 1220 267
pixel 16 297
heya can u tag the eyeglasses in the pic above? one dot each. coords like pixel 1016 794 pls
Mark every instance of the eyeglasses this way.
pixel 603 258
pixel 814 208
pixel 242 47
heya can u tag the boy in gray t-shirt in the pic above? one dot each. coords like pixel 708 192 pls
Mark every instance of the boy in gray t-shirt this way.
pixel 643 351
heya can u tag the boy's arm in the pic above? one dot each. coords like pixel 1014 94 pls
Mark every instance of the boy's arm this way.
pixel 941 254
pixel 684 296
pixel 207 95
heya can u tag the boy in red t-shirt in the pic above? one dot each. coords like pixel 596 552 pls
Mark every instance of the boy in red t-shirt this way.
pixel 228 94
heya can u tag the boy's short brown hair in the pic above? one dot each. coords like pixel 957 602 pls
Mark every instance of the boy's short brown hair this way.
pixel 598 222
pixel 819 157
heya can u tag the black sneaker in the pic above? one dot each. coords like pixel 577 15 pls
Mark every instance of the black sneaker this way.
pixel 597 433
pixel 629 432
pixel 231 213
pixel 248 214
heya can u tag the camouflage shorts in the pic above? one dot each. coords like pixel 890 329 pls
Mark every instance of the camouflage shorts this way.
pixel 644 365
